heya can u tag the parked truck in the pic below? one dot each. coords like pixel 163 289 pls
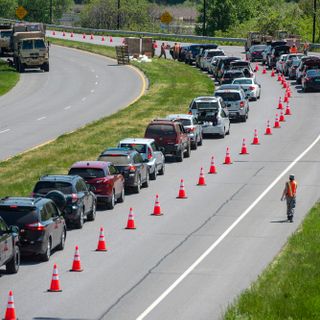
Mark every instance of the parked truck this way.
pixel 5 39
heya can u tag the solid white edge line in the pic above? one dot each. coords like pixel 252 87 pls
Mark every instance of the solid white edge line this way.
pixel 221 238
pixel 42 118
pixel 4 131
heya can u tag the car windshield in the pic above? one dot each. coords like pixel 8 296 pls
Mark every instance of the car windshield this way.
pixel 43 187
pixel 242 81
pixel 229 96
pixel 87 173
pixel 39 44
pixel 141 148
pixel 313 73
pixel 116 159
pixel 18 216
pixel 257 48
pixel 161 129
pixel 27 44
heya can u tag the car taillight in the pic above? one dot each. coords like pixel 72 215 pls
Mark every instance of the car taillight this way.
pixel 74 197
pixel 35 226
pixel 149 154
pixel 251 88
pixel 190 112
pixel 191 129
pixel 307 79
pixel 132 168
pixel 241 104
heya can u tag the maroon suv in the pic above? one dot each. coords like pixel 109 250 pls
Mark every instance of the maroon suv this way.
pixel 104 177
pixel 170 137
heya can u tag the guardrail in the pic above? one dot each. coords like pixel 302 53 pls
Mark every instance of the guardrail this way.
pixel 193 38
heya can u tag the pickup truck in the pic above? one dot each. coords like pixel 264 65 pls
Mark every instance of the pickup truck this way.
pixel 9 249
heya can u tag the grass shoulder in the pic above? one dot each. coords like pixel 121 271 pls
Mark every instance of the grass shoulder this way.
pixel 8 77
pixel 289 287
pixel 172 85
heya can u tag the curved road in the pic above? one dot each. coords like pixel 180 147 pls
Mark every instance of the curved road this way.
pixel 136 278
pixel 80 88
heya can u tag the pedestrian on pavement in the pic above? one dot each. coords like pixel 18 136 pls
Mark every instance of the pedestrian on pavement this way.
pixel 175 51
pixel 289 193
pixel 293 49
pixel 305 48
pixel 163 51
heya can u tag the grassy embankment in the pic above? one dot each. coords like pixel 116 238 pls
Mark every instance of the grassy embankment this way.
pixel 8 77
pixel 172 86
pixel 289 287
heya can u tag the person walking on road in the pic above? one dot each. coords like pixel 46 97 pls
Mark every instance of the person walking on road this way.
pixel 289 193
pixel 305 48
pixel 163 51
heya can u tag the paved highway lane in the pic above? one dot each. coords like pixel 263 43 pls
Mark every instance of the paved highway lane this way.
pixel 79 88
pixel 141 265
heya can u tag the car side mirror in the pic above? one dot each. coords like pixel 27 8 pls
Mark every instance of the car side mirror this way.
pixel 14 229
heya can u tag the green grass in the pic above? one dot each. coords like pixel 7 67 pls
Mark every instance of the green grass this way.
pixel 290 287
pixel 8 77
pixel 172 86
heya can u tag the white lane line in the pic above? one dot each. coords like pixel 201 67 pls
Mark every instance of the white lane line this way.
pixel 92 91
pixel 4 131
pixel 42 118
pixel 68 107
pixel 226 232
pixel 84 99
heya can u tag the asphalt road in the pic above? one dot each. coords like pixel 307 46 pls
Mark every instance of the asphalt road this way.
pixel 141 265
pixel 79 89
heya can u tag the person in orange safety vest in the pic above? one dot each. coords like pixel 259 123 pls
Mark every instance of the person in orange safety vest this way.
pixel 293 49
pixel 289 193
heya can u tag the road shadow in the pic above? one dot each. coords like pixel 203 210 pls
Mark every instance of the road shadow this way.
pixel 280 221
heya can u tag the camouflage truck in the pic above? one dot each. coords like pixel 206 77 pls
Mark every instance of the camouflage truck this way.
pixel 30 50
pixel 5 39
pixel 253 37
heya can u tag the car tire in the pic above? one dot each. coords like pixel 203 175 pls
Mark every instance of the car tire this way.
pixel 146 183
pixel 243 118
pixel 228 132
pixel 137 188
pixel 200 142
pixel 224 133
pixel 13 265
pixel 153 175
pixel 80 222
pixel 62 240
pixel 111 203
pixel 188 151
pixel 92 215
pixel 162 170
pixel 46 256
pixel 122 196
pixel 194 145
pixel 179 158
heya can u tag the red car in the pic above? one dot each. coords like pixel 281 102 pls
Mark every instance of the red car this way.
pixel 106 182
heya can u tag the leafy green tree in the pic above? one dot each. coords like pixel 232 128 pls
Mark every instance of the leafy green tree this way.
pixel 7 8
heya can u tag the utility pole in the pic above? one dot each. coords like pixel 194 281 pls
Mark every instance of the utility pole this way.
pixel 314 20
pixel 118 18
pixel 204 18
pixel 50 12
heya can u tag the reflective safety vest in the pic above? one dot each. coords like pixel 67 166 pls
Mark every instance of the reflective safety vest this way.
pixel 291 188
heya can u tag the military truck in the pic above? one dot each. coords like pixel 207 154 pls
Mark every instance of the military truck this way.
pixel 253 37
pixel 5 39
pixel 30 50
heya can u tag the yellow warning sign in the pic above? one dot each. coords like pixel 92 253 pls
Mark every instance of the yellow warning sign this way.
pixel 21 12
pixel 166 17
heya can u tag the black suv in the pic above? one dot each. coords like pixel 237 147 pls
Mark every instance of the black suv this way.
pixel 81 203
pixel 42 227
pixel 130 164
pixel 9 249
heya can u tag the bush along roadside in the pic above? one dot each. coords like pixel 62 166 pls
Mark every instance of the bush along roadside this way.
pixel 289 287
pixel 169 92
pixel 8 77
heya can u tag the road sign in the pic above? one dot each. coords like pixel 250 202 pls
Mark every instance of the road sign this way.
pixel 166 17
pixel 21 12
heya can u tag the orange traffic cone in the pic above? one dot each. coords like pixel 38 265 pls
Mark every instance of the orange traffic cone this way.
pixel 212 169
pixel 276 122
pixel 284 84
pixel 285 99
pixel 53 33
pixel 76 265
pixel 256 67
pixel 264 70
pixel 63 34
pixel 272 72
pixel 201 181
pixel 288 92
pixel 268 129
pixel 55 282
pixel 111 40
pixel 280 105
pixel 157 208
pixel 182 193
pixel 288 110
pixel 84 36
pixel 102 39
pixel 279 77
pixel 71 35
pixel 281 118
pixel 130 224
pixel 244 147
pixel 91 37
pixel 10 312
pixel 102 246
pixel 227 159
pixel 255 137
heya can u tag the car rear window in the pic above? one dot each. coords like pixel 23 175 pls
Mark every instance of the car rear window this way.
pixel 116 159
pixel 43 187
pixel 233 75
pixel 229 96
pixel 205 105
pixel 160 129
pixel 87 173
pixel 18 216
pixel 313 73
pixel 141 148
pixel 185 122
pixel 242 81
